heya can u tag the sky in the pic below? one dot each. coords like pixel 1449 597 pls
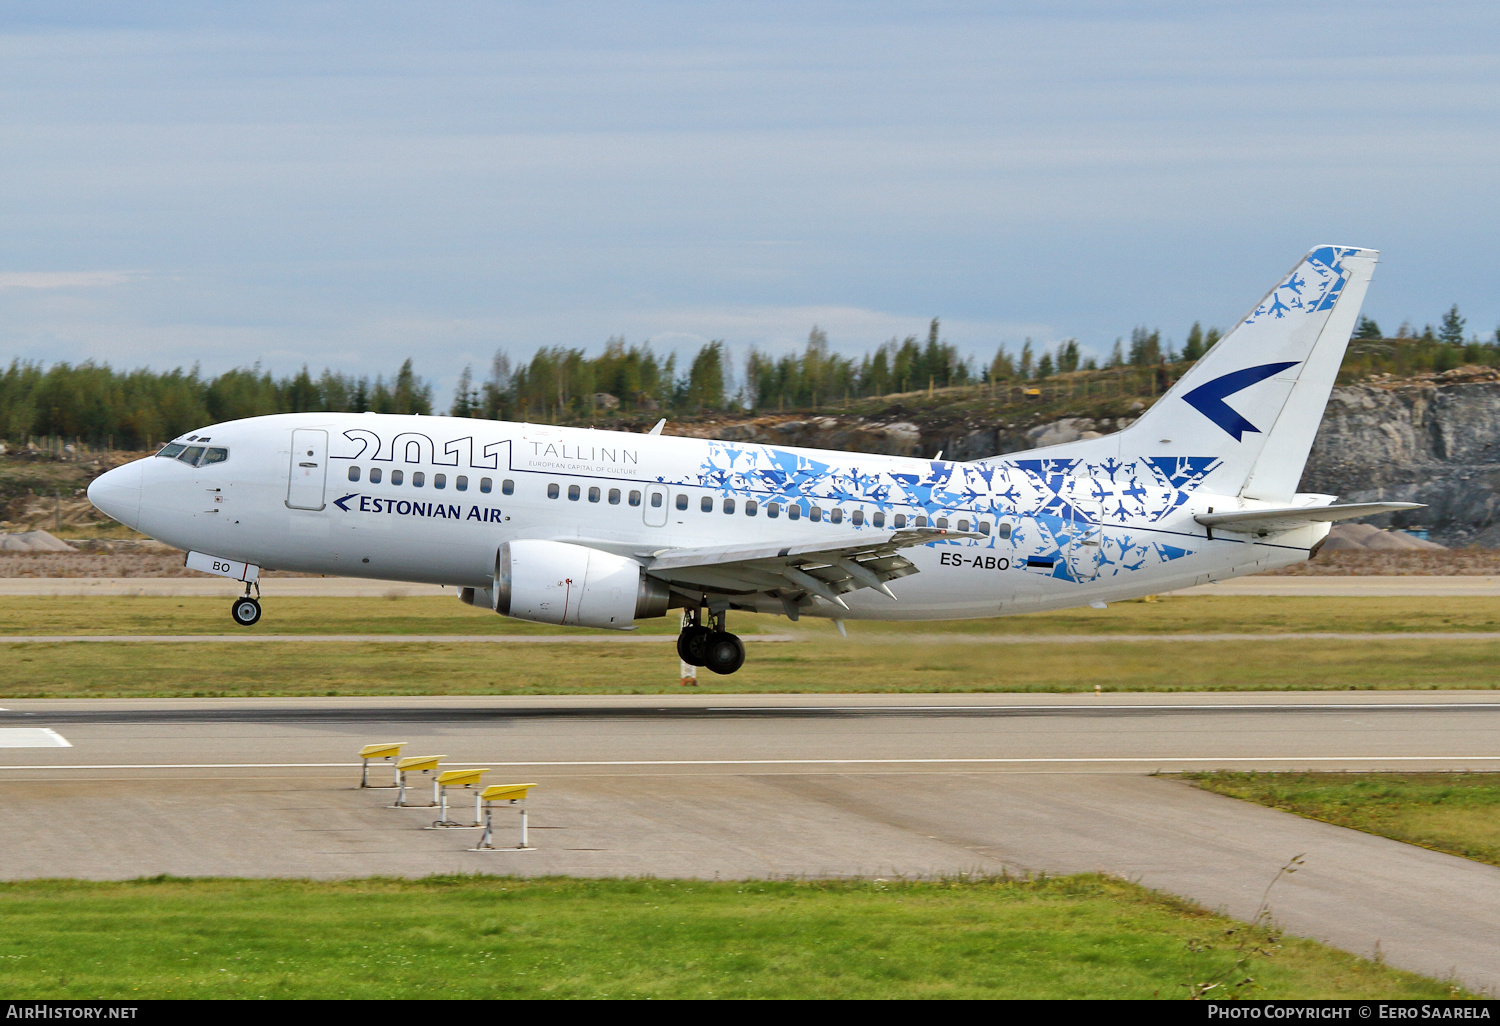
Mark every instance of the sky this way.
pixel 348 184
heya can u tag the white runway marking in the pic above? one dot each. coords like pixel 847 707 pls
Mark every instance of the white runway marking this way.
pixel 1133 760
pixel 1085 706
pixel 31 737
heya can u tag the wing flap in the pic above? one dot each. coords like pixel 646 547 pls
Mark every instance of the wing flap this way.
pixel 795 571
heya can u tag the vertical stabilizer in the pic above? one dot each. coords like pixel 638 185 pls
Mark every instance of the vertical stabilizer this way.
pixel 1255 400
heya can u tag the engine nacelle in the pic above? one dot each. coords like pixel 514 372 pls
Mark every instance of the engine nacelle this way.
pixel 574 585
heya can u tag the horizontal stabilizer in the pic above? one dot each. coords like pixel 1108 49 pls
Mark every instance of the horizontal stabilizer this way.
pixel 1273 521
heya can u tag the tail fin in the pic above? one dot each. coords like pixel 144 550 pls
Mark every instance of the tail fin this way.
pixel 1276 368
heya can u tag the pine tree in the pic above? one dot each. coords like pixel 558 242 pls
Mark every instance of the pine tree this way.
pixel 1002 367
pixel 465 399
pixel 705 389
pixel 1026 360
pixel 1452 330
pixel 1368 329
pixel 1192 349
pixel 1067 356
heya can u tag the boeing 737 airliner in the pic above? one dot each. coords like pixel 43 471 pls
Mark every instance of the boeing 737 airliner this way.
pixel 599 528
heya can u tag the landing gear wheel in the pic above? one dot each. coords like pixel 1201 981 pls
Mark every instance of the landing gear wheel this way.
pixel 245 611
pixel 726 653
pixel 692 645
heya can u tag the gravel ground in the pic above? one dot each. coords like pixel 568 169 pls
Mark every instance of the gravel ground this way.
pixel 104 564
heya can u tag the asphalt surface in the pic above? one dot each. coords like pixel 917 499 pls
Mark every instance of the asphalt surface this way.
pixel 752 786
pixel 349 587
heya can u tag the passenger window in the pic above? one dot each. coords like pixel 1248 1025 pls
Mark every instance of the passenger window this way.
pixel 418 479
pixel 215 455
pixel 984 527
pixel 815 514
pixel 942 522
pixel 461 483
pixel 486 485
pixel 794 511
pixel 635 498
pixel 593 494
pixel 750 507
pixel 682 501
pixel 507 487
pixel 773 510
pixel 553 491
pixel 170 451
pixel 440 480
pixel 354 473
pixel 706 504
pixel 963 525
pixel 728 505
pixel 878 520
pixel 396 477
pixel 858 518
pixel 1003 531
pixel 921 521
pixel 190 455
pixel 900 521
pixel 375 473
pixel 573 493
pixel 614 496
pixel 836 516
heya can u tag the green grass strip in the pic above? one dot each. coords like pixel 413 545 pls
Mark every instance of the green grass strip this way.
pixel 1457 813
pixel 487 937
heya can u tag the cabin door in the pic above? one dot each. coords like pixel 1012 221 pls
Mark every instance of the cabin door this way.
pixel 1085 539
pixel 309 469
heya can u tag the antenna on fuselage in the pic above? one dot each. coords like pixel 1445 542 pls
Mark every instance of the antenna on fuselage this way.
pixel 659 425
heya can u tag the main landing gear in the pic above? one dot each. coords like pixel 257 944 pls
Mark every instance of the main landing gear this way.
pixel 713 647
pixel 246 610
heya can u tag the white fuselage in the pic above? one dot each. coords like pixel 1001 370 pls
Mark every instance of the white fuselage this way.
pixel 1052 533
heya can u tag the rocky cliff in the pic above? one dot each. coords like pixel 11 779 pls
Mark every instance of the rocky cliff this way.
pixel 1434 440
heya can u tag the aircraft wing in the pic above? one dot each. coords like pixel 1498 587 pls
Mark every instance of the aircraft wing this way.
pixel 1272 521
pixel 796 571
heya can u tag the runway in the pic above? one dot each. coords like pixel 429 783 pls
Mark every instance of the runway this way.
pixel 775 785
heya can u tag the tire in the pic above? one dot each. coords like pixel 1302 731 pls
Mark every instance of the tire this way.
pixel 726 653
pixel 246 611
pixel 692 645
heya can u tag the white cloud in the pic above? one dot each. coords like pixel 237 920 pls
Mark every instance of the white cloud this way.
pixel 64 279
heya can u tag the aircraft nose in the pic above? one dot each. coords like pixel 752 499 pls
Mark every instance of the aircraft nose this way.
pixel 117 493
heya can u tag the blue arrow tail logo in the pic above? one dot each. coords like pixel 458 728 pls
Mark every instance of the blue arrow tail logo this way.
pixel 340 502
pixel 1208 399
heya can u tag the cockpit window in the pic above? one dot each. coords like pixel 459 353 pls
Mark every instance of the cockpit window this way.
pixel 194 455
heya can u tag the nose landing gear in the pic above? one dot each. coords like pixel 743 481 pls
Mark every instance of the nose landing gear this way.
pixel 713 647
pixel 246 610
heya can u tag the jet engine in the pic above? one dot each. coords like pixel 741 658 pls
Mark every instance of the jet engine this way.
pixel 573 585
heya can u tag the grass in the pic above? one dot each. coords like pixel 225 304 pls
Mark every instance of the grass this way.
pixel 227 670
pixel 876 657
pixel 1457 813
pixel 833 666
pixel 472 937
